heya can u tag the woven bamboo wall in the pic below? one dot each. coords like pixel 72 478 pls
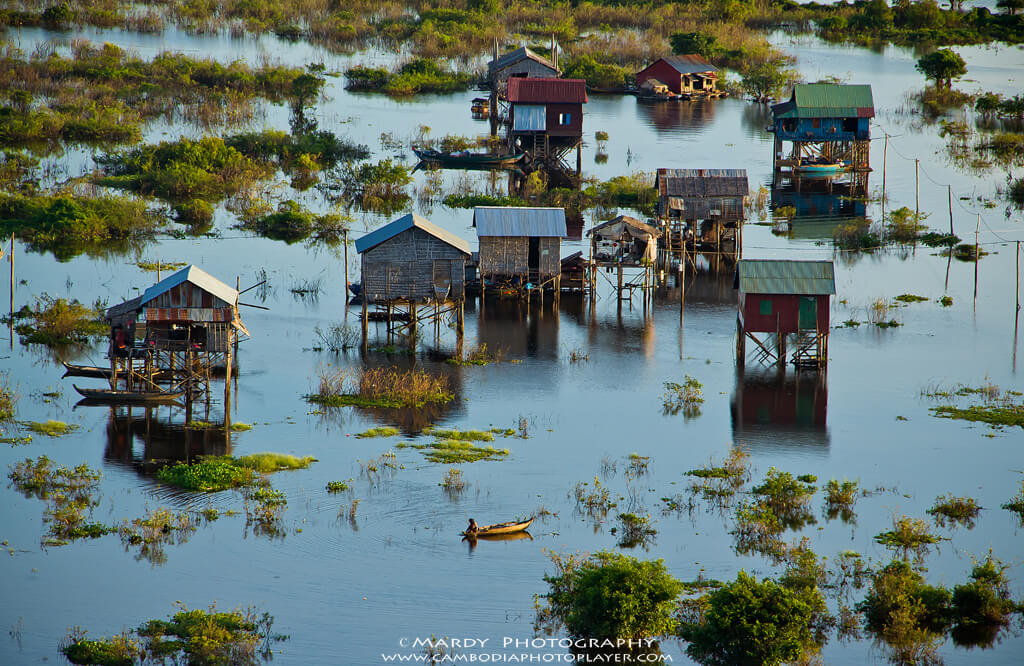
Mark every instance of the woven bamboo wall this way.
pixel 404 266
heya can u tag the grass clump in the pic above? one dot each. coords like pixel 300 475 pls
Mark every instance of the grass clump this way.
pixel 904 610
pixel 635 530
pixel 910 298
pixel 840 498
pixel 686 397
pixel 479 355
pixel 56 322
pixel 594 500
pixel 994 415
pixel 380 387
pixel 152 532
pixel 455 451
pixel 337 487
pixel 720 483
pixel 51 428
pixel 982 607
pixel 212 474
pixel 211 636
pixel 417 76
pixel 8 399
pixel 122 650
pixel 461 435
pixel 1016 505
pixel 385 431
pixel 452 481
pixel 292 223
pixel 69 496
pixel 908 535
pixel 240 426
pixel 610 596
pixel 786 497
pixel 156 266
pixel 955 511
pixel 265 463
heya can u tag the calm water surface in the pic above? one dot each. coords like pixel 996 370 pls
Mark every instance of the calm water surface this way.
pixel 346 593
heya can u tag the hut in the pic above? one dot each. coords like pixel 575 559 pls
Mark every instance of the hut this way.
pixel 177 330
pixel 520 246
pixel 624 240
pixel 829 127
pixel 705 207
pixel 519 64
pixel 545 120
pixel 781 299
pixel 687 75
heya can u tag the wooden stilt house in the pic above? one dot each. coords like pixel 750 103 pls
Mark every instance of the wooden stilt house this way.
pixel 520 245
pixel 782 301
pixel 703 208
pixel 687 75
pixel 545 120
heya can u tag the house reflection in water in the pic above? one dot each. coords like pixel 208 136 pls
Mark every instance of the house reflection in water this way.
pixel 164 438
pixel 775 412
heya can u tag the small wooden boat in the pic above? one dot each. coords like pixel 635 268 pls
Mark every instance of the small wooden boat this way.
pixel 500 529
pixel 111 395
pixel 71 370
pixel 481 106
pixel 468 159
pixel 820 167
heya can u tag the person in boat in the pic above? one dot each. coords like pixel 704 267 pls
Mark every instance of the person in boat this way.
pixel 473 528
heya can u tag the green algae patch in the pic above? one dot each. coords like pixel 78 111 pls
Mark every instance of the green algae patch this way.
pixel 461 435
pixel 50 428
pixel 385 431
pixel 224 472
pixel 993 415
pixel 454 451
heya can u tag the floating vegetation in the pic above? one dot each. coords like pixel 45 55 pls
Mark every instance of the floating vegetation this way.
pixel 464 435
pixel 903 610
pixel 840 498
pixel 337 486
pixel 50 428
pixel 686 397
pixel 292 223
pixel 158 265
pixel 966 252
pixel 954 511
pixel 223 472
pixel 937 239
pixel 190 636
pixel 479 355
pixel 382 463
pixel 1016 505
pixel 56 322
pixel 380 387
pixel 910 298
pixel 719 483
pixel 880 313
pixel 151 533
pixel 240 426
pixel 787 498
pixel 264 507
pixel 336 338
pixel 384 431
pixel 594 500
pixel 635 530
pixel 757 529
pixel 908 535
pixel 636 465
pixel 455 451
pixel 68 493
pixel 417 76
pixel 378 187
pixel 8 399
pixel 994 415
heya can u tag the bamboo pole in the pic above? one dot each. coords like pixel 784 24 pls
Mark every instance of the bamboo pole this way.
pixel 917 190
pixel 10 259
pixel 950 192
pixel 1017 279
pixel 976 230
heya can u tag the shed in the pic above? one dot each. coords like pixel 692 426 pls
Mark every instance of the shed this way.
pixel 520 242
pixel 825 112
pixel 682 74
pixel 549 106
pixel 520 63
pixel 188 307
pixel 625 238
pixel 413 260
pixel 784 295
pixel 702 194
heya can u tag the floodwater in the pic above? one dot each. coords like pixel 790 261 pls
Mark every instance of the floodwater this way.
pixel 350 592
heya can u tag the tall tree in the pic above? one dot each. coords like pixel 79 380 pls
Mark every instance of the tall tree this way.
pixel 942 66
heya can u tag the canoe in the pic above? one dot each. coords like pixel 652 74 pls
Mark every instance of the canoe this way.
pixel 468 159
pixel 71 370
pixel 820 167
pixel 110 395
pixel 501 528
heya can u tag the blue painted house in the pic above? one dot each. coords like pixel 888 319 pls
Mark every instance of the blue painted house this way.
pixel 825 112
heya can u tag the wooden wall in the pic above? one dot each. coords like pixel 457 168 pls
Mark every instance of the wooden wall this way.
pixel 509 256
pixel 785 312
pixel 403 267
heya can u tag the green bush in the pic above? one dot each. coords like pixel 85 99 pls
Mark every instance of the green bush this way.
pixel 194 212
pixel 899 594
pixel 751 622
pixel 612 596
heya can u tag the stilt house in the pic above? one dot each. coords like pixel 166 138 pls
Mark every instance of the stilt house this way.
pixel 785 298
pixel 702 194
pixel 413 260
pixel 519 64
pixel 682 74
pixel 522 244
pixel 545 119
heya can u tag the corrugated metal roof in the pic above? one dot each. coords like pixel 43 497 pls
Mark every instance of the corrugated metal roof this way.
pixel 404 223
pixel 614 227
pixel 122 309
pixel 546 90
pixel 510 221
pixel 785 276
pixel 522 53
pixel 827 100
pixel 688 64
pixel 196 276
pixel 702 183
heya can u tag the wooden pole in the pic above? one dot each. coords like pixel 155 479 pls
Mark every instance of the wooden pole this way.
pixel 10 258
pixel 346 267
pixel 950 193
pixel 1017 278
pixel 976 230
pixel 917 191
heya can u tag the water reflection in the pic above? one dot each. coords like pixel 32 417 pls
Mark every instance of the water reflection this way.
pixel 774 412
pixel 672 115
pixel 164 437
pixel 519 330
pixel 812 208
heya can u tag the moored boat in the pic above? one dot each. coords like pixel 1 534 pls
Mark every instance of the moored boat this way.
pixel 112 395
pixel 466 158
pixel 71 370
pixel 497 529
pixel 820 167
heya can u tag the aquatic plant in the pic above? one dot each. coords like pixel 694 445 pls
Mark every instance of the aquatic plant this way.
pixel 998 415
pixel 455 451
pixel 378 187
pixel 908 535
pixel 292 223
pixel 382 431
pixel 337 486
pixel 264 508
pixel 754 622
pixel 265 463
pixel 686 397
pixel 840 498
pixel 910 298
pixel 1016 505
pixel 194 212
pixel 240 426
pixel 241 636
pixel 419 75
pixel 479 355
pixel 463 435
pixel 335 338
pixel 50 428
pixel 905 612
pixel 757 529
pixel 635 530
pixel 212 474
pixel 636 465
pixel 8 399
pixel 68 492
pixel 610 596
pixel 788 498
pixel 946 301
pixel 152 532
pixel 955 511
pixel 57 321
pixel 595 499
pixel 380 387
pixel 121 650
pixel 983 606
pixel 452 481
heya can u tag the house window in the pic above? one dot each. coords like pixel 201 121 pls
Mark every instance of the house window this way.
pixel 766 306
pixel 564 118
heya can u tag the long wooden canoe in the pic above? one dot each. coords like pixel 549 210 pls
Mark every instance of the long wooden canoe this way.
pixel 110 395
pixel 71 370
pixel 501 528
pixel 468 159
